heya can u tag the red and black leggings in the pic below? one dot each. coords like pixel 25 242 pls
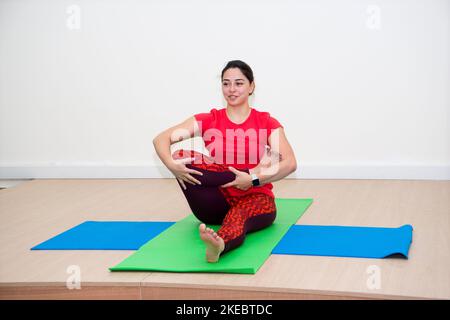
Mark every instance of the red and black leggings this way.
pixel 236 215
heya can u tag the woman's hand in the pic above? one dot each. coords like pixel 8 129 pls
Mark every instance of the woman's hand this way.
pixel 182 173
pixel 243 180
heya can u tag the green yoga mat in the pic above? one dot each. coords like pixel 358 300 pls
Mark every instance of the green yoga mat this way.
pixel 180 249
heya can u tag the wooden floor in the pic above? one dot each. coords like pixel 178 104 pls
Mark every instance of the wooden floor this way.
pixel 37 210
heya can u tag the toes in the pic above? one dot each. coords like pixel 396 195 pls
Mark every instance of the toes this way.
pixel 202 227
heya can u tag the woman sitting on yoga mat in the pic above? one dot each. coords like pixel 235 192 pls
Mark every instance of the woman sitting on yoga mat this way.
pixel 232 185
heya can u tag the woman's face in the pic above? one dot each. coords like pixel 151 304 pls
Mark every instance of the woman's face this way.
pixel 235 87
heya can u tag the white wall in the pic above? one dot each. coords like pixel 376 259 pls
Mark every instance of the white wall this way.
pixel 362 87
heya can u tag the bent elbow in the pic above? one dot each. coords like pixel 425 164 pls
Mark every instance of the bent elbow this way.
pixel 294 168
pixel 291 163
pixel 155 139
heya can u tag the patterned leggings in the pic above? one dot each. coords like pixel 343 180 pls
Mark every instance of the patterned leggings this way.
pixel 211 205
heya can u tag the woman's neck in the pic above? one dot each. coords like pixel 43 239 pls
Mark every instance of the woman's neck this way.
pixel 238 113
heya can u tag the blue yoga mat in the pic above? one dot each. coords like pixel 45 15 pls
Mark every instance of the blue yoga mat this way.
pixel 342 241
pixel 105 235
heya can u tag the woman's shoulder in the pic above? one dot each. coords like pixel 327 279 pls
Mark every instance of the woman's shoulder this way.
pixel 212 111
pixel 215 111
pixel 261 114
pixel 266 118
pixel 214 114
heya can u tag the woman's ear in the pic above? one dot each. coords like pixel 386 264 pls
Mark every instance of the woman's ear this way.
pixel 252 88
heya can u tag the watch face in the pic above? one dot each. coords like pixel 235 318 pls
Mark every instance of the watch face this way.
pixel 255 180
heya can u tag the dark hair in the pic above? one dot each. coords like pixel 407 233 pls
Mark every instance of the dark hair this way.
pixel 241 65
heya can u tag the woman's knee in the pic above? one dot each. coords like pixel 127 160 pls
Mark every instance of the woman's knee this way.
pixel 211 178
pixel 260 221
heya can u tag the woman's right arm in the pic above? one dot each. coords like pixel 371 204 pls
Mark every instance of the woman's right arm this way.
pixel 162 142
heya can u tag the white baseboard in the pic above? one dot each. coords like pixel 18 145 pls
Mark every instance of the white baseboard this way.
pixel 111 171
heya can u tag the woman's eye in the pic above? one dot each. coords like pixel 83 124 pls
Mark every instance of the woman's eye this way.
pixel 226 84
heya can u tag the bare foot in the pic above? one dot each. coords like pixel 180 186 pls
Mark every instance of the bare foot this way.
pixel 214 244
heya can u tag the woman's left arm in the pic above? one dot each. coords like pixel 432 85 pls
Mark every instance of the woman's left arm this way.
pixel 283 161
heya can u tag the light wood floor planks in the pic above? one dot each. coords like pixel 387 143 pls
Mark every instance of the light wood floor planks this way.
pixel 37 210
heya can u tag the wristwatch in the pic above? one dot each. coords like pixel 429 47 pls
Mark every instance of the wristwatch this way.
pixel 255 180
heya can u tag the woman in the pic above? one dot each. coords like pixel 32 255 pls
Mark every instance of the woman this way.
pixel 232 186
